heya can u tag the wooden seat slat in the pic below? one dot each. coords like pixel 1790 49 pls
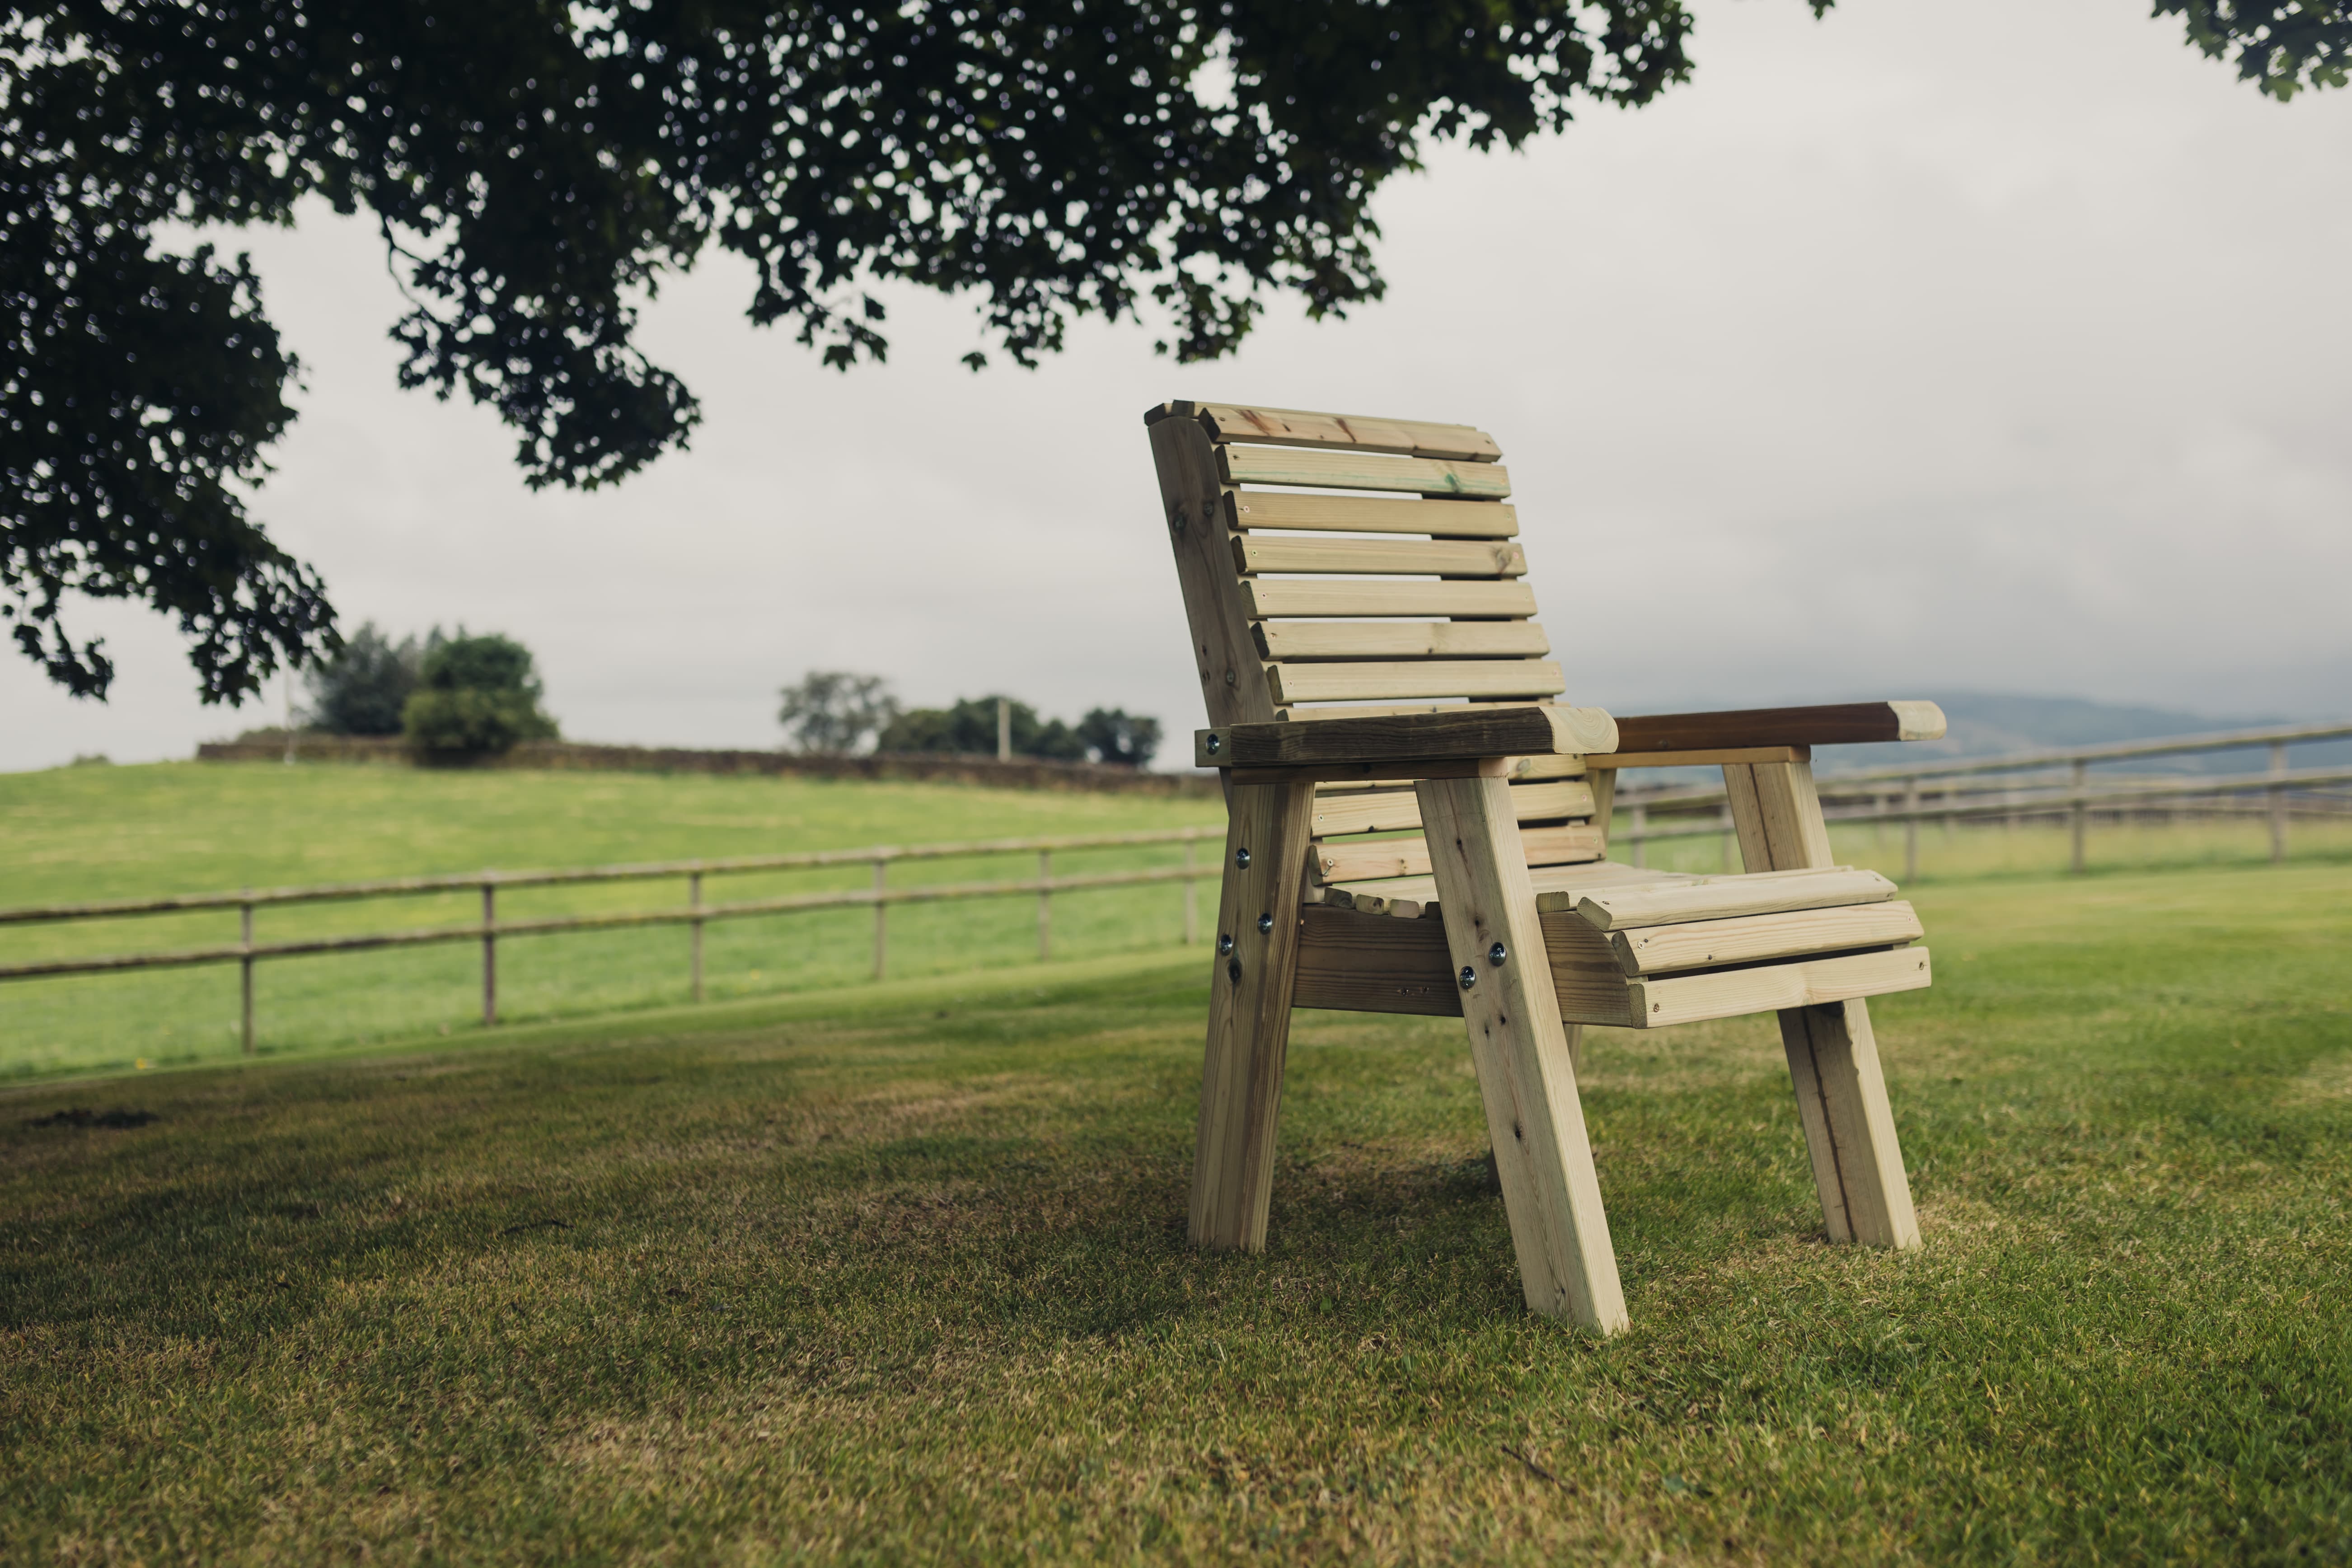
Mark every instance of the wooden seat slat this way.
pixel 1365 859
pixel 1306 641
pixel 1303 428
pixel 1353 598
pixel 1373 514
pixel 1366 683
pixel 1749 939
pixel 1388 810
pixel 1393 557
pixel 1722 897
pixel 1568 881
pixel 1361 471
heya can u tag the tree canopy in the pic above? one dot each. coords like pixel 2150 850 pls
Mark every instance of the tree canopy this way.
pixel 536 168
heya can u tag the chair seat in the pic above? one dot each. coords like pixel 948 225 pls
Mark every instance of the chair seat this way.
pixel 1630 946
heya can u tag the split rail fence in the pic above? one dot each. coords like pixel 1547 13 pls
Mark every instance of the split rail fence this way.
pixel 694 913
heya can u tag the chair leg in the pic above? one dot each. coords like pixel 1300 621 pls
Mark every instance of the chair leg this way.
pixel 1832 1055
pixel 1249 1012
pixel 1521 1051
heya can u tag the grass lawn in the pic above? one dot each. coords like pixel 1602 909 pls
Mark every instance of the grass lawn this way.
pixel 898 1274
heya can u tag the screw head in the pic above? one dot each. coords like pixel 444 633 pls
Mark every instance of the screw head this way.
pixel 1265 925
pixel 1224 945
pixel 1233 970
pixel 1216 744
pixel 1241 857
pixel 1469 977
pixel 1232 679
pixel 1496 954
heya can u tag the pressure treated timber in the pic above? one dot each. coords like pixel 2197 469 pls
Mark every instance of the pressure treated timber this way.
pixel 1249 1013
pixel 1364 859
pixel 1233 678
pixel 1367 681
pixel 1727 898
pixel 1353 471
pixel 1395 557
pixel 1367 962
pixel 1768 988
pixel 1299 642
pixel 1617 761
pixel 1751 939
pixel 1405 740
pixel 1363 772
pixel 1301 428
pixel 1300 714
pixel 1372 514
pixel 1838 723
pixel 1343 598
pixel 1556 886
pixel 1399 810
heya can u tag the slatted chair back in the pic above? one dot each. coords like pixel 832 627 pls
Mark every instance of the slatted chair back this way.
pixel 1337 567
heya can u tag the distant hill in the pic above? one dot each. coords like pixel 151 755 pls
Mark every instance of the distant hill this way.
pixel 1992 724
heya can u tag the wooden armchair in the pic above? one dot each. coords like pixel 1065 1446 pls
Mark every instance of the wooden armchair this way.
pixel 1372 668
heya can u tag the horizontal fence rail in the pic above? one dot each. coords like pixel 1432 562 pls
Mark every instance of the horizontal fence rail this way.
pixel 695 914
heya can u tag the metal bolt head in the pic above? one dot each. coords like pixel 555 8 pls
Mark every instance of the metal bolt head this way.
pixel 1265 925
pixel 1232 679
pixel 1496 954
pixel 1224 945
pixel 1469 977
pixel 1241 857
pixel 1216 744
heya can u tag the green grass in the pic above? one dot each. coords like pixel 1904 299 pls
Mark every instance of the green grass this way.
pixel 898 1274
pixel 72 835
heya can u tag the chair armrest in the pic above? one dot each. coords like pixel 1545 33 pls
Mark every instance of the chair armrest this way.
pixel 1836 723
pixel 1401 739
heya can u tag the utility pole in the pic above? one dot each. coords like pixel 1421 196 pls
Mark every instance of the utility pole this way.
pixel 1003 730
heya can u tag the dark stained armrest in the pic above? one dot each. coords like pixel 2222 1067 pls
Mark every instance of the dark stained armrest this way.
pixel 1402 739
pixel 1834 724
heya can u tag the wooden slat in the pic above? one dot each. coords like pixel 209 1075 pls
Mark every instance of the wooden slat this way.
pixel 1301 642
pixel 1297 713
pixel 1512 600
pixel 1356 859
pixel 1372 514
pixel 1558 886
pixel 1514 731
pixel 1368 963
pixel 1395 811
pixel 1362 433
pixel 1662 950
pixel 1518 770
pixel 1727 898
pixel 1837 723
pixel 1395 557
pixel 1735 756
pixel 1354 471
pixel 1362 774
pixel 1778 987
pixel 1192 500
pixel 1366 681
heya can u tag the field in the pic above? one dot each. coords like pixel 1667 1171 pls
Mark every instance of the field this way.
pixel 897 1273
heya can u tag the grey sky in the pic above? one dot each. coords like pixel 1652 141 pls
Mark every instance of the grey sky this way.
pixel 1943 344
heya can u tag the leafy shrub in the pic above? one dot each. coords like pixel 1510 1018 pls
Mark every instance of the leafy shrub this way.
pixel 361 690
pixel 1114 735
pixel 970 727
pixel 835 710
pixel 476 697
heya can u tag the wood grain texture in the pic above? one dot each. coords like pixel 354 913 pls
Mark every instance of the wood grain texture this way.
pixel 1303 428
pixel 1353 598
pixel 1372 514
pixel 1837 723
pixel 1361 773
pixel 1361 471
pixel 1557 888
pixel 1365 859
pixel 1408 738
pixel 1772 987
pixel 1395 557
pixel 1520 1045
pixel 1370 681
pixel 1192 509
pixel 1750 939
pixel 1619 761
pixel 1249 1013
pixel 1367 962
pixel 1398 810
pixel 1304 641
pixel 1726 897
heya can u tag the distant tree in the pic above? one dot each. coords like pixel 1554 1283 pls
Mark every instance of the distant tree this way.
pixel 361 690
pixel 970 727
pixel 476 696
pixel 833 710
pixel 1114 735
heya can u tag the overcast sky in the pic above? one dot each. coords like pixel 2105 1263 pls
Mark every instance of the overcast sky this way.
pixel 1944 344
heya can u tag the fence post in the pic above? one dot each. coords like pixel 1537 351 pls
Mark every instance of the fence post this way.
pixel 881 919
pixel 245 935
pixel 1191 899
pixel 1044 905
pixel 694 901
pixel 2278 802
pixel 1640 836
pixel 2079 813
pixel 1911 829
pixel 490 954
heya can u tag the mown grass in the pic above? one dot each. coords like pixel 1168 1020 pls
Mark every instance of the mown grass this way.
pixel 899 1275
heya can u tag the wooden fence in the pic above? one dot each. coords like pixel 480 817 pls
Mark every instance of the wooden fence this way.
pixel 694 913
